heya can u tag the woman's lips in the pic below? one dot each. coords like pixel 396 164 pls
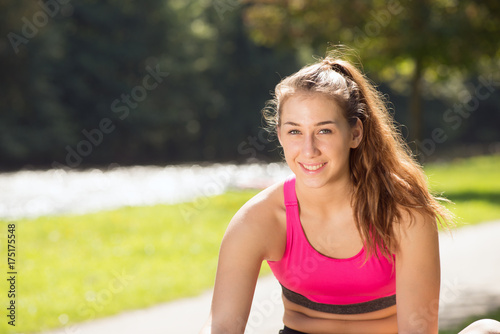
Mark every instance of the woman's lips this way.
pixel 313 167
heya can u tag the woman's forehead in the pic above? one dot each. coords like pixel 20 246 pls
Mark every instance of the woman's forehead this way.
pixel 310 108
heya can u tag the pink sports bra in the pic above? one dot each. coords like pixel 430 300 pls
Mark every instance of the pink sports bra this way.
pixel 322 283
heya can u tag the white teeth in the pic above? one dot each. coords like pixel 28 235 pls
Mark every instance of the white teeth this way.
pixel 315 167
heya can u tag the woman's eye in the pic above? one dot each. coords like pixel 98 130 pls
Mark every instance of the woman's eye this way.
pixel 293 132
pixel 325 131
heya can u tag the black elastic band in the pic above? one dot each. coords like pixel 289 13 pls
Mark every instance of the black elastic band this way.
pixel 357 308
pixel 288 330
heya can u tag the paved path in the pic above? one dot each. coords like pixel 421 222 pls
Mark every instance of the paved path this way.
pixel 470 262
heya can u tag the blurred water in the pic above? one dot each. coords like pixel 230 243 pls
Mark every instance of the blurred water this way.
pixel 57 191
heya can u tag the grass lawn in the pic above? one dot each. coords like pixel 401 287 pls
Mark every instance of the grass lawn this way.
pixel 77 268
pixel 81 267
pixel 472 184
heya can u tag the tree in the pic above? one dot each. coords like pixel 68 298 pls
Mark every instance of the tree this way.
pixel 32 119
pixel 64 67
pixel 403 42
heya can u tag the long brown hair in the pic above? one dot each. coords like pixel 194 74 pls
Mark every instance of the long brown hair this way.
pixel 386 177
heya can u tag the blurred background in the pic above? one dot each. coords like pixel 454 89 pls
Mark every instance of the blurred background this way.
pixel 151 109
pixel 70 66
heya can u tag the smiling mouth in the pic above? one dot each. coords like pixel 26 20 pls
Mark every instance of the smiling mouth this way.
pixel 313 167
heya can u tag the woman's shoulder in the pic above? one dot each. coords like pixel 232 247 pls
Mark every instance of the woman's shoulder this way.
pixel 415 227
pixel 265 207
pixel 260 223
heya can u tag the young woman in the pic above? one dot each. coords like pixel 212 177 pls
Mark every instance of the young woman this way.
pixel 352 236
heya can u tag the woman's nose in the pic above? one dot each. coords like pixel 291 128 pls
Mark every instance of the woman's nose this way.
pixel 309 148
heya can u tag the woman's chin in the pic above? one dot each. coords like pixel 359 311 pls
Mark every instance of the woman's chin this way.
pixel 314 182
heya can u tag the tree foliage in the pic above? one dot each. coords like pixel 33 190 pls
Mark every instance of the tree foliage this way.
pixel 82 91
pixel 408 44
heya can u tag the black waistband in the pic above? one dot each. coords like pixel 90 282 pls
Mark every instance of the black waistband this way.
pixel 357 308
pixel 288 330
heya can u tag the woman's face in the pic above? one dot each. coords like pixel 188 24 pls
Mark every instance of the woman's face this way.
pixel 317 138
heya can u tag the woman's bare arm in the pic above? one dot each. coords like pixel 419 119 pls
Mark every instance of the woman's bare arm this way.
pixel 418 276
pixel 245 245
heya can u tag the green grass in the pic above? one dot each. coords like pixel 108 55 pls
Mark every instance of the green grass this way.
pixel 78 268
pixel 472 184
pixel 81 267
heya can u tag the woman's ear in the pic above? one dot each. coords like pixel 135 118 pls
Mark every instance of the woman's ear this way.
pixel 357 134
pixel 278 133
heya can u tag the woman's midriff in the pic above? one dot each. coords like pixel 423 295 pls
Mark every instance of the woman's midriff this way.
pixel 310 321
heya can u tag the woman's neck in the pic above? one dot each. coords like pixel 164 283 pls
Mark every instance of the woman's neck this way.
pixel 332 197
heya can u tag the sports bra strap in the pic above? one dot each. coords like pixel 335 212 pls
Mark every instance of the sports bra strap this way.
pixel 289 191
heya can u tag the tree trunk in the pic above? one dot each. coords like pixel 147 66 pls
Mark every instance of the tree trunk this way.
pixel 416 102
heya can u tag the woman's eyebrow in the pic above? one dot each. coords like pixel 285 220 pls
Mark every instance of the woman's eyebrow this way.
pixel 325 123
pixel 317 124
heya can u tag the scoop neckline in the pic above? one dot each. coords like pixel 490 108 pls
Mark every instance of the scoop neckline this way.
pixel 297 213
pixel 358 254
